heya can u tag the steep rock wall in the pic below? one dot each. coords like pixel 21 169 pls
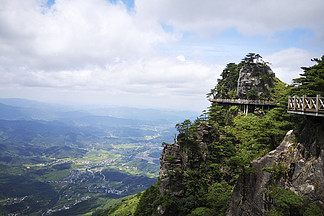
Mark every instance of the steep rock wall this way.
pixel 254 80
pixel 304 163
pixel 176 160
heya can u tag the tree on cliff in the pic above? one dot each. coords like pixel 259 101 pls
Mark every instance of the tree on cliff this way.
pixel 251 57
pixel 226 86
pixel 311 82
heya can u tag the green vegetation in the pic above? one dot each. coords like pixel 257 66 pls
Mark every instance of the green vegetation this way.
pixel 149 201
pixel 226 87
pixel 123 207
pixel 311 82
pixel 288 203
pixel 236 140
pixel 68 170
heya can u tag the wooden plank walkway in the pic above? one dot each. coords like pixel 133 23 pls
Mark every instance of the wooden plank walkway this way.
pixel 244 102
pixel 313 106
pixel 246 105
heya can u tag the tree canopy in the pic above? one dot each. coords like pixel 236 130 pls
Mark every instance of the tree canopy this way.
pixel 311 82
pixel 226 86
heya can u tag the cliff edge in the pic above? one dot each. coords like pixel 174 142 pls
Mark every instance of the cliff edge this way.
pixel 297 167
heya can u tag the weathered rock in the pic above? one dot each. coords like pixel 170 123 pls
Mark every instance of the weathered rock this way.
pixel 256 77
pixel 248 195
pixel 176 159
pixel 305 174
pixel 306 167
pixel 170 170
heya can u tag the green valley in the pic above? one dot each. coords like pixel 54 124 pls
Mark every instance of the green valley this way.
pixel 73 166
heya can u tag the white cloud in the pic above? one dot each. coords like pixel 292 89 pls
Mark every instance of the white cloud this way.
pixel 151 76
pixel 74 33
pixel 181 58
pixel 249 17
pixel 159 82
pixel 287 63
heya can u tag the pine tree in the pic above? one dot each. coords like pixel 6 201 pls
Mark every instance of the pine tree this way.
pixel 311 82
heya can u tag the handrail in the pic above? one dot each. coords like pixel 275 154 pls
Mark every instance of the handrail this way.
pixel 306 105
pixel 243 101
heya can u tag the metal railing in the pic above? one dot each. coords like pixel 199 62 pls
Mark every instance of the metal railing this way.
pixel 243 101
pixel 306 105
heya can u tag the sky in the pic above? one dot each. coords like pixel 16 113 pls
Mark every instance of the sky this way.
pixel 148 53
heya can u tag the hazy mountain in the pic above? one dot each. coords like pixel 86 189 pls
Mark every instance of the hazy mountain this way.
pixel 14 108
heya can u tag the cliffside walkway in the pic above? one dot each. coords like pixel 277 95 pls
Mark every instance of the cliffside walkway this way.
pixel 245 104
pixel 313 106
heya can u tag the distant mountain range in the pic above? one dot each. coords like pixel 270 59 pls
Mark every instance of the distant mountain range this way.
pixel 21 109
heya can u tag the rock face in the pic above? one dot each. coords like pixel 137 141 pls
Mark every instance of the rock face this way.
pixel 306 170
pixel 176 159
pixel 254 80
pixel 304 163
pixel 170 170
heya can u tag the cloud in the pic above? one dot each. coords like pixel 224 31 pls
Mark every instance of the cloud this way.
pixel 74 32
pixel 155 82
pixel 93 48
pixel 160 76
pixel 287 63
pixel 181 58
pixel 249 17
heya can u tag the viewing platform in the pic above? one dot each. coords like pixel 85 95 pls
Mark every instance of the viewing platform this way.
pixel 246 105
pixel 312 106
pixel 243 101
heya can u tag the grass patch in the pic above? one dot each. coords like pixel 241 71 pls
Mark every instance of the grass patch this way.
pixel 123 207
pixel 56 175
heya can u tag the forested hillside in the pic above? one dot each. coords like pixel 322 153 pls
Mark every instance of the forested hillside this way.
pixel 56 160
pixel 199 172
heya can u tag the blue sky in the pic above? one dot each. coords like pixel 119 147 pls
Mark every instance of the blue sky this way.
pixel 128 3
pixel 147 53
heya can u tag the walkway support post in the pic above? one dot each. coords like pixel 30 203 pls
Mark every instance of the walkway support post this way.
pixel 317 103
pixel 289 101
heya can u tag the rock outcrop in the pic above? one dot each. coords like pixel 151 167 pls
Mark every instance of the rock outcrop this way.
pixel 176 159
pixel 255 79
pixel 170 171
pixel 304 165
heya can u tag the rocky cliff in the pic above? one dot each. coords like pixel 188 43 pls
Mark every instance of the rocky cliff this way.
pixel 294 166
pixel 254 82
pixel 177 159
